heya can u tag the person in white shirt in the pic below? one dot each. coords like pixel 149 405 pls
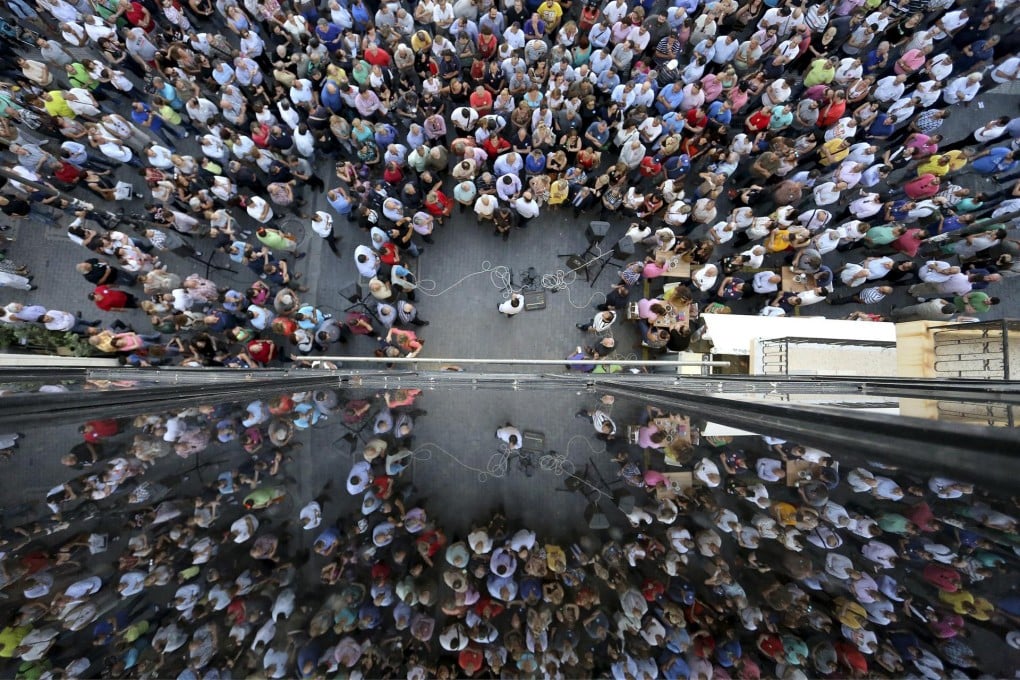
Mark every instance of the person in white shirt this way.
pixel 962 89
pixel 1007 71
pixel 765 283
pixel 512 306
pixel 705 277
pixel 243 528
pixel 927 92
pixel 890 88
pixel 828 193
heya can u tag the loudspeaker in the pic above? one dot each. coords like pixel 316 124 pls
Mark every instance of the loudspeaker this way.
pixel 623 249
pixel 576 263
pixel 596 231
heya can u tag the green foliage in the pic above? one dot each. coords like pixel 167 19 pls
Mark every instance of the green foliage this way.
pixel 33 339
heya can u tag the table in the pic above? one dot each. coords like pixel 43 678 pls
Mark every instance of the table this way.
pixel 678 484
pixel 674 316
pixel 675 266
pixel 792 285
pixel 678 437
pixel 797 472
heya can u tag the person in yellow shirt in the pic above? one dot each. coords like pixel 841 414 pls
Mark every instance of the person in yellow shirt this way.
pixel 55 104
pixel 941 164
pixel 559 191
pixel 550 12
pixel 421 41
pixel 784 513
pixel 965 604
pixel 833 151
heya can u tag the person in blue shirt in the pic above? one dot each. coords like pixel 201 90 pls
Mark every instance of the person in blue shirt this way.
pixel 145 117
pixel 361 14
pixel 329 34
pixel 670 98
pixel 330 97
pixel 997 160
pixel 597 134
pixel 534 163
pixel 975 53
pixel 672 122
pixel 720 112
pixel 876 60
pixel 677 166
pixel 882 128
pixel 340 201
pixel 385 134
pixel 608 80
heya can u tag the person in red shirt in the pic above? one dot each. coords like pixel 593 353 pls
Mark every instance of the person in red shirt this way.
pixel 495 145
pixel 650 166
pixel 925 186
pixel 96 430
pixel 376 56
pixel 758 121
pixel 830 113
pixel 695 121
pixel 488 43
pixel 108 299
pixel 910 242
pixel 481 101
pixel 262 351
pixel 438 204
pixel 136 15
pixel 67 174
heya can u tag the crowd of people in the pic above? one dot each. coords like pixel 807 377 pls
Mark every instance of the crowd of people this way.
pixel 819 126
pixel 771 560
pixel 729 137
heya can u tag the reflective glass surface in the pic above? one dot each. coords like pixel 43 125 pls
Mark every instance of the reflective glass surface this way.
pixel 488 531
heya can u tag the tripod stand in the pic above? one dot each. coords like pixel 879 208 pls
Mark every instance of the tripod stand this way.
pixel 595 233
pixel 357 300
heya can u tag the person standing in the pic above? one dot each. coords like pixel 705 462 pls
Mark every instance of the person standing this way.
pixel 322 224
pixel 512 306
pixel 932 310
pixel 600 323
pixel 527 209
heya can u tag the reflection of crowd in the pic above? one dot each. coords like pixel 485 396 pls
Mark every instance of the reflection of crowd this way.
pixel 750 557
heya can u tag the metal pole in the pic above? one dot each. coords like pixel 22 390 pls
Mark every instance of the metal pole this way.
pixel 512 362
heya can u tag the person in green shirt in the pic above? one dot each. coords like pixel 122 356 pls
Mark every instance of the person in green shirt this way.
pixel 975 302
pixel 274 239
pixel 884 234
pixel 821 70
pixel 263 497
pixel 79 76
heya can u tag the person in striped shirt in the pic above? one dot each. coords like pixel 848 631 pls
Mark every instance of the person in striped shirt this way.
pixel 867 296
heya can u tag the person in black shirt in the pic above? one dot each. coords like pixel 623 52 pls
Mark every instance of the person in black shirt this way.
pixel 12 206
pixel 279 171
pixel 245 178
pixel 99 273
pixel 615 298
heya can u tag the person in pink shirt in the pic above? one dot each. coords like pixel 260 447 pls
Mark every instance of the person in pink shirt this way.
pixel 911 61
pixel 922 144
pixel 925 186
